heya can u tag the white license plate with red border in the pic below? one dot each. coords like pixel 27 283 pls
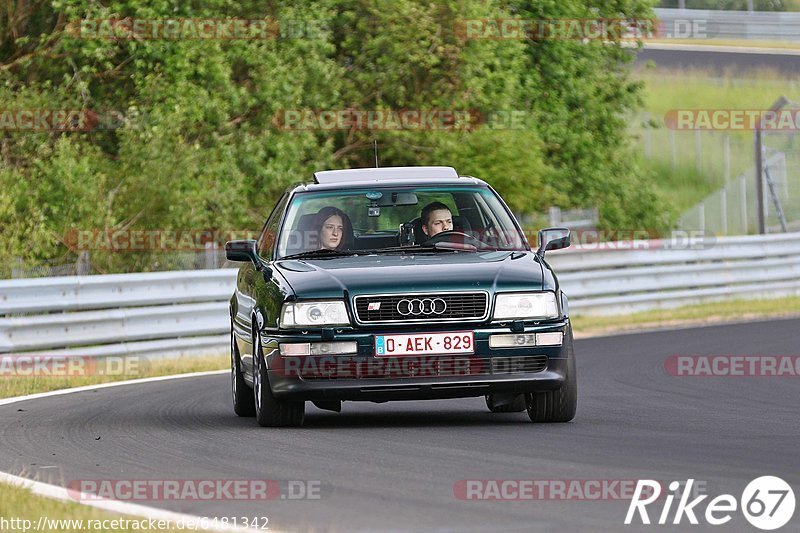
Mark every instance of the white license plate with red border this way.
pixel 459 342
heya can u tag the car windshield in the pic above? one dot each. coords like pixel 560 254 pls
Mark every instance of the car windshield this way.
pixel 394 220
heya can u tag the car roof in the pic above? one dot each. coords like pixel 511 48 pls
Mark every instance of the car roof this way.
pixel 387 176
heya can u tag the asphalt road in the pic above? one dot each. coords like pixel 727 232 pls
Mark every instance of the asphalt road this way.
pixel 393 466
pixel 719 62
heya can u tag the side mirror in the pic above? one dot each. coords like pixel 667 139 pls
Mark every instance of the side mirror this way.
pixel 242 251
pixel 553 239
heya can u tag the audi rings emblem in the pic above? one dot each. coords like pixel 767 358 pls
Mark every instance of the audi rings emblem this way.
pixel 421 306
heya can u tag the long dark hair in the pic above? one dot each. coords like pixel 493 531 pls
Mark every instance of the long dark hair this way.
pixel 327 212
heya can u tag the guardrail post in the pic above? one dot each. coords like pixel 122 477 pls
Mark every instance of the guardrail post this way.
pixel 674 149
pixel 727 148
pixel 723 206
pixel 211 255
pixel 743 202
pixel 698 150
pixel 761 223
pixel 701 217
pixel 82 266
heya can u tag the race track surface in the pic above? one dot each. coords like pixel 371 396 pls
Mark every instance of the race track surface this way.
pixel 720 62
pixel 393 466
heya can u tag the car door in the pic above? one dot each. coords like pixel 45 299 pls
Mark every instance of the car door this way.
pixel 250 283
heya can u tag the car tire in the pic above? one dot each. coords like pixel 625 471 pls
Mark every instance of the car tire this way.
pixel 561 404
pixel 242 394
pixel 517 406
pixel 270 411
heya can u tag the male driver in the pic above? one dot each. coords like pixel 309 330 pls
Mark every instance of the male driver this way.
pixel 436 218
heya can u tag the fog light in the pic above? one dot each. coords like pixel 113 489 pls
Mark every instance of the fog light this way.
pixel 512 341
pixel 296 349
pixel 336 348
pixel 319 348
pixel 554 338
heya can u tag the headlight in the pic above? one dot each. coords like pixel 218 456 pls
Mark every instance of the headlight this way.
pixel 314 314
pixel 525 306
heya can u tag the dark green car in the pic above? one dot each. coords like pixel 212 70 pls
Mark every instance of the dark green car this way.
pixel 401 283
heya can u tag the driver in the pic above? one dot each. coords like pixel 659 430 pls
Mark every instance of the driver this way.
pixel 436 218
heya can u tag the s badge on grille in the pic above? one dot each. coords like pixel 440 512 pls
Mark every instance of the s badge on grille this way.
pixel 374 306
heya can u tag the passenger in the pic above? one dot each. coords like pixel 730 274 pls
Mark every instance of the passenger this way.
pixel 436 218
pixel 334 229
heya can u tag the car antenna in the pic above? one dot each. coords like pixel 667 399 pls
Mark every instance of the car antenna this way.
pixel 375 145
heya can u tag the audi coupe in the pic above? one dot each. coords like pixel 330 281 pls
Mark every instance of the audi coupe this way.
pixel 398 283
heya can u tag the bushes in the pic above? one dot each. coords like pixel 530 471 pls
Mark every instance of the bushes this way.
pixel 205 152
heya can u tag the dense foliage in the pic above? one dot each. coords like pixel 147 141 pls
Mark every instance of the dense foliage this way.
pixel 200 146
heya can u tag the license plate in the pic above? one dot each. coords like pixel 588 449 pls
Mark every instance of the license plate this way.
pixel 461 342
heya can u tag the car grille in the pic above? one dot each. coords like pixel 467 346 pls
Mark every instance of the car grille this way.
pixel 407 308
pixel 426 367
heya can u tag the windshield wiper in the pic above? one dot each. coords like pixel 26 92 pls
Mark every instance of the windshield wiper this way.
pixel 438 247
pixel 322 253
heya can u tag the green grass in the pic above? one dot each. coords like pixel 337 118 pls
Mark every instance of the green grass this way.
pixel 693 88
pixel 688 182
pixel 23 385
pixel 19 503
pixel 586 326
pixel 683 186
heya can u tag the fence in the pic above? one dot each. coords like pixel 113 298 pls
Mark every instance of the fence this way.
pixel 721 25
pixel 186 312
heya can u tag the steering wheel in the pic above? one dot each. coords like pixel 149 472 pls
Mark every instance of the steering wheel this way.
pixel 447 236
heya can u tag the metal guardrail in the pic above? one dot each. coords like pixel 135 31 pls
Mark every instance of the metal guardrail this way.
pixel 185 312
pixel 721 25
pixel 653 275
pixel 163 313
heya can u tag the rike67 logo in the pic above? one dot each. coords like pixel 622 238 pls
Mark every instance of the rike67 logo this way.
pixel 767 502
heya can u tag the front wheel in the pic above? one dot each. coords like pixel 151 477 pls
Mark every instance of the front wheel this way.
pixel 561 404
pixel 516 405
pixel 243 401
pixel 270 411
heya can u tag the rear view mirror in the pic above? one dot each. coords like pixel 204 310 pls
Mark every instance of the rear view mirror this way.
pixel 553 239
pixel 397 198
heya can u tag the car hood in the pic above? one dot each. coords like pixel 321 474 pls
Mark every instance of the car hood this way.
pixel 400 273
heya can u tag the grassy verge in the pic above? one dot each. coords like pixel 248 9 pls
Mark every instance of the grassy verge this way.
pixel 667 89
pixel 18 505
pixel 587 326
pixel 698 167
pixel 30 384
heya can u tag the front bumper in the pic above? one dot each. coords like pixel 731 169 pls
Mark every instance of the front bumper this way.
pixel 363 376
